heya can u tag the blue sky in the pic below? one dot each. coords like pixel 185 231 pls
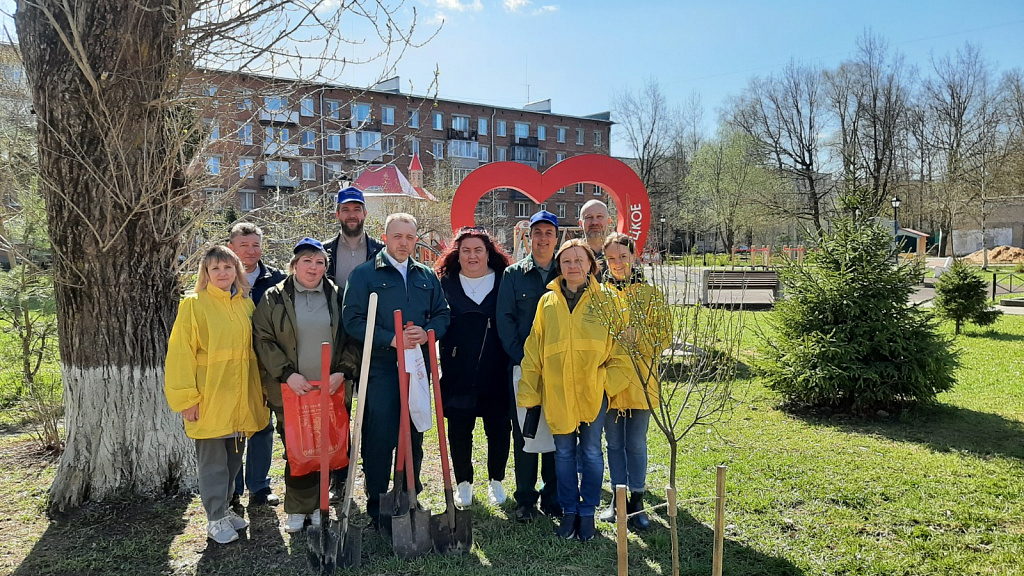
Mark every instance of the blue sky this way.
pixel 580 53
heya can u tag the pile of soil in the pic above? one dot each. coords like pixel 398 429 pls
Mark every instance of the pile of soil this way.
pixel 999 255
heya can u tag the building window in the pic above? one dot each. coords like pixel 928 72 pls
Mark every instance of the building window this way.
pixel 213 126
pixel 500 154
pixel 542 133
pixel 245 168
pixel 522 210
pixel 597 190
pixel 334 171
pixel 245 100
pixel 501 128
pixel 360 113
pixel 579 188
pixel 275 103
pixel 522 130
pixel 481 126
pixel 213 165
pixel 561 209
pixel 560 135
pixel 460 123
pixel 482 155
pixel 542 158
pixel 387 115
pixel 463 149
pixel 280 135
pixel 277 168
pixel 438 121
pixel 247 200
pixel 579 136
pixel 308 171
pixel 561 190
pixel 333 109
pixel 334 142
pixel 579 211
pixel 308 137
pixel 438 150
pixel 414 118
pixel 363 141
pixel 459 174
pixel 245 134
pixel 501 208
pixel 389 145
pixel 597 138
pixel 306 107
pixel 414 146
pixel 559 156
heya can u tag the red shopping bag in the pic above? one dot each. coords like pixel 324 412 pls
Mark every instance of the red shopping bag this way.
pixel 302 430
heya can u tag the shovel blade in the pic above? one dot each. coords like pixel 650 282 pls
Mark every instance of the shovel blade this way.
pixel 449 539
pixel 322 552
pixel 350 554
pixel 410 535
pixel 393 503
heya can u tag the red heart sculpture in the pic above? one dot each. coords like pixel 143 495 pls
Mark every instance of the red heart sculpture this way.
pixel 618 179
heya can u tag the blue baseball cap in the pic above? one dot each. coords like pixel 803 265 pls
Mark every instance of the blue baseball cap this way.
pixel 544 216
pixel 308 243
pixel 351 194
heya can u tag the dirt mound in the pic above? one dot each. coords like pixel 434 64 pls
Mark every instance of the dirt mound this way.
pixel 999 255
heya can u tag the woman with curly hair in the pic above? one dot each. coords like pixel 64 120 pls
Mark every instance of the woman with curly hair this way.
pixel 474 366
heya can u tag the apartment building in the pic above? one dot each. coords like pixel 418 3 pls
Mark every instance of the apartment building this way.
pixel 271 140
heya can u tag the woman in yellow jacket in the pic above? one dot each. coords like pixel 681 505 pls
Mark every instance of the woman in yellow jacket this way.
pixel 629 411
pixel 571 365
pixel 211 377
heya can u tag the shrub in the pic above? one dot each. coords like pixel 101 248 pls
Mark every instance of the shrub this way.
pixel 961 296
pixel 845 336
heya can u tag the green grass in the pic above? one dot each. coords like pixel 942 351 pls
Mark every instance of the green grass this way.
pixel 937 490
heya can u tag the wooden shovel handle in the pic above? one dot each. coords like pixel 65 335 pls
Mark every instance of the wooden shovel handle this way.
pixel 442 437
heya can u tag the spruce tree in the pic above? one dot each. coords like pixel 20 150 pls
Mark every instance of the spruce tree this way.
pixel 960 296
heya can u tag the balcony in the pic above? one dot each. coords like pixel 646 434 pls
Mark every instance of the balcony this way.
pixel 454 134
pixel 279 117
pixel 524 154
pixel 367 125
pixel 280 149
pixel 528 141
pixel 279 181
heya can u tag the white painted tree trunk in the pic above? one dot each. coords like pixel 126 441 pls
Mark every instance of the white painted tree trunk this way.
pixel 122 437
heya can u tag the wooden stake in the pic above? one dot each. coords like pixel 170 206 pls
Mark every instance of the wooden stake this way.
pixel 671 493
pixel 620 529
pixel 716 562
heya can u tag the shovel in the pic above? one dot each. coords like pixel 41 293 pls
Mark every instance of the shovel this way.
pixel 323 540
pixel 452 530
pixel 351 545
pixel 396 502
pixel 410 536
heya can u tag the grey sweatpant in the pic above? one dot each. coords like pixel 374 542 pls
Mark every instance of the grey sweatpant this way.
pixel 219 460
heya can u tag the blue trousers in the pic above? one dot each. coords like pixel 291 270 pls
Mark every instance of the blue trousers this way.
pixel 256 472
pixel 580 493
pixel 626 436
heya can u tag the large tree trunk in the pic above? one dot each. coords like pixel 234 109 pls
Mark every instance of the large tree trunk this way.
pixel 102 77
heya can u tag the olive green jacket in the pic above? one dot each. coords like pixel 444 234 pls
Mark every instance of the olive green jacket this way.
pixel 276 344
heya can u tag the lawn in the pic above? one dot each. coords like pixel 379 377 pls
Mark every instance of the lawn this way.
pixel 937 490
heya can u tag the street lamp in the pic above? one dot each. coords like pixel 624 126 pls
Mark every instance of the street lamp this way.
pixel 895 211
pixel 662 221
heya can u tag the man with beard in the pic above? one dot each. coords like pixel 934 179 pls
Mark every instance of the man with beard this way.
pixel 349 248
pixel 594 221
pixel 352 246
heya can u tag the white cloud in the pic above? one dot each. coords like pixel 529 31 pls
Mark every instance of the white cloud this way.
pixel 547 8
pixel 437 19
pixel 516 5
pixel 460 6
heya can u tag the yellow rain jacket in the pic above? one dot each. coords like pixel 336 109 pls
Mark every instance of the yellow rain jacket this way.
pixel 637 303
pixel 210 362
pixel 570 360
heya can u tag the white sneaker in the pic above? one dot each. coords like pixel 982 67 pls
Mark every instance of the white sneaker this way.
pixel 496 493
pixel 314 518
pixel 464 495
pixel 294 523
pixel 237 522
pixel 221 531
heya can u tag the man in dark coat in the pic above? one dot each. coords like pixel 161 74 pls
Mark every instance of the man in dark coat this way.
pixel 352 245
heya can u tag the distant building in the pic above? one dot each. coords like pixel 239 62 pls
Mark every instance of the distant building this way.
pixel 271 137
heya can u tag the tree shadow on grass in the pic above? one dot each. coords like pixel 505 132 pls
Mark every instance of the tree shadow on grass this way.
pixel 109 538
pixel 261 548
pixel 941 427
pixel 993 335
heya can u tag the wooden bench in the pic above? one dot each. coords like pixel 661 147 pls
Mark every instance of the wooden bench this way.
pixel 737 280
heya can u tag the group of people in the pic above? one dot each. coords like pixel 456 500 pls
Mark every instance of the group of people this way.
pixel 528 335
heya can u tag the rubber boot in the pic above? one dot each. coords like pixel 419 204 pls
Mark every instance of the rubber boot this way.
pixel 608 514
pixel 638 522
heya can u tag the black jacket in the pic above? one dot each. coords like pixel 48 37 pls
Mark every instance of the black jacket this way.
pixel 474 366
pixel 372 247
pixel 269 276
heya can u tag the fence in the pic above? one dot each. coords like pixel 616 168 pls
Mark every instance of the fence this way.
pixel 1006 283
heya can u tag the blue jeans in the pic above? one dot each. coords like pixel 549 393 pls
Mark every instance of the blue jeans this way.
pixel 626 436
pixel 256 472
pixel 580 493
